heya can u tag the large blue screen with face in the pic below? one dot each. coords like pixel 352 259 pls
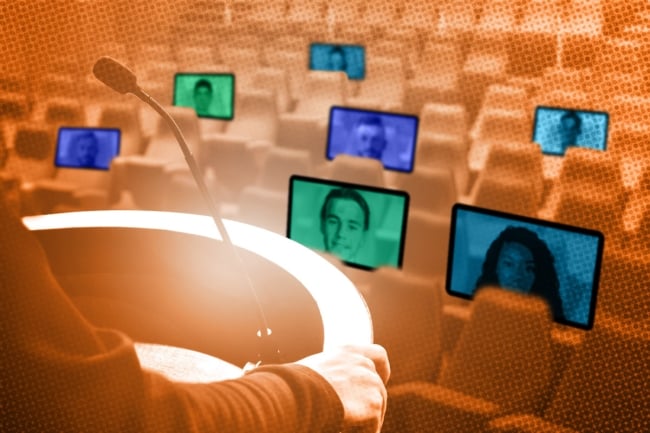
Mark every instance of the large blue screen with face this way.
pixel 212 95
pixel 350 59
pixel 361 225
pixel 89 148
pixel 388 137
pixel 557 128
pixel 558 262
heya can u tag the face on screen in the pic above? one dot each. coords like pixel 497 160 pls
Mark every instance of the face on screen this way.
pixel 569 129
pixel 202 97
pixel 86 149
pixel 515 267
pixel 343 228
pixel 369 138
pixel 336 60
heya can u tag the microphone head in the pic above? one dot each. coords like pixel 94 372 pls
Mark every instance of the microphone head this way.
pixel 115 75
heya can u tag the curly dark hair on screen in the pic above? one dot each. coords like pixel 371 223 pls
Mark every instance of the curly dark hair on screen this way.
pixel 546 283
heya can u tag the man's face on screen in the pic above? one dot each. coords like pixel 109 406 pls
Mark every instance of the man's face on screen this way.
pixel 370 140
pixel 87 149
pixel 343 228
pixel 202 100
pixel 516 267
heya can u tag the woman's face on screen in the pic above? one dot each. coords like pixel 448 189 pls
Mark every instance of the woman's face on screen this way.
pixel 515 267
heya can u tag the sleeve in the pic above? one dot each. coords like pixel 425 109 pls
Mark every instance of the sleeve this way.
pixel 59 373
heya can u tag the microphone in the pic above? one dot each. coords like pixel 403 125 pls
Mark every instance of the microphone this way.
pixel 115 75
pixel 121 79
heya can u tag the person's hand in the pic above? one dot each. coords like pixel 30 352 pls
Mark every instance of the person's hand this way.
pixel 359 375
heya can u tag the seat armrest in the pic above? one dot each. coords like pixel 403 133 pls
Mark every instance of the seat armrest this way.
pixel 525 424
pixel 416 407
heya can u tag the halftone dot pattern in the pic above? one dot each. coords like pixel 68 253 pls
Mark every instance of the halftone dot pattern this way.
pixel 600 388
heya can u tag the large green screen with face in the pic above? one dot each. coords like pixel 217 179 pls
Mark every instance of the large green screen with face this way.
pixel 211 95
pixel 363 226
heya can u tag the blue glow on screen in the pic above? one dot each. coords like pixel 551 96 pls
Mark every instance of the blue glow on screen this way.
pixel 556 128
pixel 388 137
pixel 350 59
pixel 87 148
pixel 576 255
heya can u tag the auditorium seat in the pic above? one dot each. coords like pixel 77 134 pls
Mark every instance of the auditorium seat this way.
pixel 431 190
pixel 447 119
pixel 414 344
pixel 505 194
pixel 621 56
pixel 188 57
pixel 519 163
pixel 269 17
pixel 567 79
pixel 243 62
pixel 64 112
pixel 145 175
pixel 445 150
pixel 275 80
pixel 69 189
pixel 263 208
pixel 425 248
pixel 457 15
pixel 584 17
pixel 280 164
pixel 158 71
pixel 124 117
pixel 310 135
pixel 356 169
pixel 490 372
pixel 322 91
pixel 420 16
pixel 13 107
pixel 12 82
pixel 542 16
pixel 622 291
pixel 231 162
pixel 539 26
pixel 255 121
pixel 505 97
pixel 294 63
pixel 31 156
pixel 151 52
pixel 307 17
pixel 603 389
pixel 589 192
pixel 627 108
pixel 59 84
pixel 383 85
pixel 498 126
pixel 497 16
pixel 435 77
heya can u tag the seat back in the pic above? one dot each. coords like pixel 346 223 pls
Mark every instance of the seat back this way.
pixel 503 353
pixel 282 163
pixel 256 116
pixel 274 79
pixel 604 388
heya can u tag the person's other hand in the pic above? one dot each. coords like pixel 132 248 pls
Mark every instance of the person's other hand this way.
pixel 359 375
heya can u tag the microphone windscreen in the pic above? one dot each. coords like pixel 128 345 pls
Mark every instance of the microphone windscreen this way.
pixel 115 75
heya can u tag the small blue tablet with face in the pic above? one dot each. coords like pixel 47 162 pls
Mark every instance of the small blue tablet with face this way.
pixel 347 58
pixel 87 148
pixel 556 128
pixel 388 137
